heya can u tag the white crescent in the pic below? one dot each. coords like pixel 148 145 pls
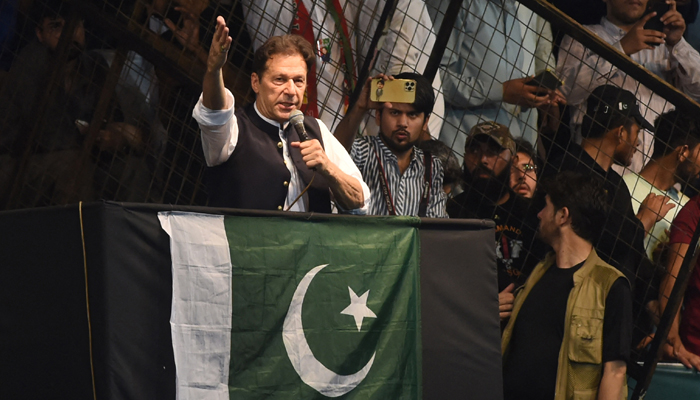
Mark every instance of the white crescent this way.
pixel 310 370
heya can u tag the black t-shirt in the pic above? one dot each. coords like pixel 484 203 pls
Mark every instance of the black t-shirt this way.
pixel 515 233
pixel 622 241
pixel 530 370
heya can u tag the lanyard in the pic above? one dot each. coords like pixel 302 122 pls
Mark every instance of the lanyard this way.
pixel 385 186
pixel 427 180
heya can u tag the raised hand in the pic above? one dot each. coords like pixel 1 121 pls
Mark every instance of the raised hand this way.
pixel 639 38
pixel 220 45
pixel 674 24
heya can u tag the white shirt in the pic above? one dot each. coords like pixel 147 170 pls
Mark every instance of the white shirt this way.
pixel 583 71
pixel 220 136
pixel 405 47
pixel 640 189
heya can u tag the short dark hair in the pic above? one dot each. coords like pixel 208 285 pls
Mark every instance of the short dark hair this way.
pixel 51 9
pixel 584 196
pixel 450 166
pixel 523 146
pixel 594 129
pixel 425 97
pixel 286 45
pixel 674 129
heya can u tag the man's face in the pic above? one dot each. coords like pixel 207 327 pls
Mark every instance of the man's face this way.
pixel 280 89
pixel 689 168
pixel 628 146
pixel 49 33
pixel 625 11
pixel 400 127
pixel 485 158
pixel 548 229
pixel 523 175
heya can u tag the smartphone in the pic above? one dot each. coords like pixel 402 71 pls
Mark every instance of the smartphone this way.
pixel 396 91
pixel 655 23
pixel 547 79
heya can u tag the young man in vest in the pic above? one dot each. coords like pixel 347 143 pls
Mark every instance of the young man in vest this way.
pixel 260 160
pixel 405 180
pixel 571 326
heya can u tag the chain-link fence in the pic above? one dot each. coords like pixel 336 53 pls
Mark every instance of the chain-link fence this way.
pixel 96 100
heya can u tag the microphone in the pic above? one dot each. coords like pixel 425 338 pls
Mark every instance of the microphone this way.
pixel 296 118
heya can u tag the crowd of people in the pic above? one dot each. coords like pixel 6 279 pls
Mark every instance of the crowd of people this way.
pixel 590 231
pixel 580 249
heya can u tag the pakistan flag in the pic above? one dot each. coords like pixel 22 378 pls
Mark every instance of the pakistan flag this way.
pixel 282 308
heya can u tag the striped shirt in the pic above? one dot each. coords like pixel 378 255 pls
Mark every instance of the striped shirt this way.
pixel 406 189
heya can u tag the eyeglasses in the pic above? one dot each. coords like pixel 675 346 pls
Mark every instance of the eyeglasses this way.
pixel 526 168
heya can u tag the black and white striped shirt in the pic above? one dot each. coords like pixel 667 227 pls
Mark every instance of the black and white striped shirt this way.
pixel 406 189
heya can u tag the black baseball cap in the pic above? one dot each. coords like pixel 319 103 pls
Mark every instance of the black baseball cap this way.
pixel 607 101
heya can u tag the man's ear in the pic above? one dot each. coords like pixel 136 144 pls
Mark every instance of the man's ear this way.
pixel 621 134
pixel 378 117
pixel 563 216
pixel 683 152
pixel 39 34
pixel 255 82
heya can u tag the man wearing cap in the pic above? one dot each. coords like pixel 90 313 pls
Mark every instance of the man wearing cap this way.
pixel 665 54
pixel 611 128
pixel 259 160
pixel 487 194
pixel 404 179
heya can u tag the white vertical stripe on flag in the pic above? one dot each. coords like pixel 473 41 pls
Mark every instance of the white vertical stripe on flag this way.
pixel 200 319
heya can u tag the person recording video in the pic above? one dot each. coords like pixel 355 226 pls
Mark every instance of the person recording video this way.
pixel 257 158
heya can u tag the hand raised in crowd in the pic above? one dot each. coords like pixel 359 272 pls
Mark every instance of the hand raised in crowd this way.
pixel 188 34
pixel 220 45
pixel 674 24
pixel 653 208
pixel 639 38
pixel 364 102
pixel 505 302
pixel 516 91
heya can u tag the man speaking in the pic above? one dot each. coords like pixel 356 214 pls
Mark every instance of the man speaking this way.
pixel 258 159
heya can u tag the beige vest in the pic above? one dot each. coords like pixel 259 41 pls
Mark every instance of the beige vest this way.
pixel 581 353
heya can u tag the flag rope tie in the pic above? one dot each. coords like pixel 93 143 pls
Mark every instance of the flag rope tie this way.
pixel 87 300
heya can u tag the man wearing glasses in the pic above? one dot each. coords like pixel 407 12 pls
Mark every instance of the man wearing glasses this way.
pixel 523 173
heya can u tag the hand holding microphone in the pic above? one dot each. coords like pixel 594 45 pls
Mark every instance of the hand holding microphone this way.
pixel 311 150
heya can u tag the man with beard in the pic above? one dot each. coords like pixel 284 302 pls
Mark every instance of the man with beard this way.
pixel 404 180
pixel 611 127
pixel 569 335
pixel 676 159
pixel 487 194
pixel 665 54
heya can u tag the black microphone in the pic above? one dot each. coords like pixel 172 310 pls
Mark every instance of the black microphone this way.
pixel 296 118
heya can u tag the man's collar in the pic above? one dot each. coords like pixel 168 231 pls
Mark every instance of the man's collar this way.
pixel 611 28
pixel 268 120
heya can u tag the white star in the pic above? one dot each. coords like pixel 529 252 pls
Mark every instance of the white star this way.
pixel 358 308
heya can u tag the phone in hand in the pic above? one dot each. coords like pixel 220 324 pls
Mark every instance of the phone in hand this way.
pixel 655 23
pixel 546 79
pixel 394 91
